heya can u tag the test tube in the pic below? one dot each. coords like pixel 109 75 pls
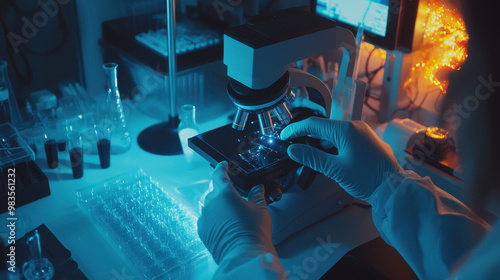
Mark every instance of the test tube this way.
pixel 51 152
pixel 104 146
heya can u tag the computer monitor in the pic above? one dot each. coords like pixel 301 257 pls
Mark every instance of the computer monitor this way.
pixel 388 24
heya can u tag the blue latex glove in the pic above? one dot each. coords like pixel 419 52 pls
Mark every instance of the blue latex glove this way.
pixel 231 225
pixel 363 162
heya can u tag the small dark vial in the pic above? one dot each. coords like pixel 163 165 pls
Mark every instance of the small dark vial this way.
pixel 104 149
pixel 51 153
pixel 61 145
pixel 76 158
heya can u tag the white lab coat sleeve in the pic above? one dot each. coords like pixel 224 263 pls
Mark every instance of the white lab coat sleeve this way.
pixel 484 263
pixel 430 228
pixel 245 264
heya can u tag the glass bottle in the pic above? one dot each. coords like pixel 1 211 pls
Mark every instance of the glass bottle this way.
pixel 38 267
pixel 114 116
pixel 187 129
pixel 9 112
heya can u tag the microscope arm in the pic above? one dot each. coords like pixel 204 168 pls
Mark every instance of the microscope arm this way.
pixel 299 78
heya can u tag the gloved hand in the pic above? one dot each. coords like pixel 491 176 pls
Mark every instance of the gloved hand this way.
pixel 363 162
pixel 231 225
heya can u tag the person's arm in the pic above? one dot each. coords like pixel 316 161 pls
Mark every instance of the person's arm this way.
pixel 431 229
pixel 237 232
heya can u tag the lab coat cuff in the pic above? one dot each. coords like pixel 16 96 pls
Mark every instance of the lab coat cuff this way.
pixel 249 251
pixel 251 264
pixel 382 194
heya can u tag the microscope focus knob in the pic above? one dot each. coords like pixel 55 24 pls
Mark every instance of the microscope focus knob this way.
pixel 275 192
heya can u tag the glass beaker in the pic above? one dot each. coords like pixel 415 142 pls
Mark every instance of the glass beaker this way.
pixel 49 129
pixel 187 129
pixel 114 116
pixel 9 112
pixel 74 127
pixel 103 145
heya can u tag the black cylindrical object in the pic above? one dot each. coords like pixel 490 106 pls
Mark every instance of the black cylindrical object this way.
pixel 51 153
pixel 76 158
pixel 104 148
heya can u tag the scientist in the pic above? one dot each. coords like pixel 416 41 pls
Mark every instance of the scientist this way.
pixel 437 235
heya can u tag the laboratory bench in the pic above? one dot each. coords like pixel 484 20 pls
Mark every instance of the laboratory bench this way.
pixel 307 254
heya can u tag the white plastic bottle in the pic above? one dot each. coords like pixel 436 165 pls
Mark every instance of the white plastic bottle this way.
pixel 187 129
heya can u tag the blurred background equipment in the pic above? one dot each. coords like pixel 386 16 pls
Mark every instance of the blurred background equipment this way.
pixel 42 44
pixel 416 45
pixel 17 158
pixel 387 23
pixel 9 111
pixel 41 244
pixel 145 38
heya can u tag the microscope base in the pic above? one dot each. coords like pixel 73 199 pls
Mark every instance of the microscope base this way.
pixel 299 208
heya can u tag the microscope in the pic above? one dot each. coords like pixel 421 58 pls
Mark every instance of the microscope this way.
pixel 258 55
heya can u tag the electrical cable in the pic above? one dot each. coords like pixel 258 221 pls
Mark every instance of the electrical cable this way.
pixel 436 102
pixel 370 76
pixel 418 107
pixel 422 103
pixel 412 101
pixel 371 107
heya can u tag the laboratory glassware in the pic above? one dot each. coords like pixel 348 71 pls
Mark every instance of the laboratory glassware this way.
pixel 187 129
pixel 114 114
pixel 9 112
pixel 103 145
pixel 49 128
pixel 37 268
pixel 154 229
pixel 75 147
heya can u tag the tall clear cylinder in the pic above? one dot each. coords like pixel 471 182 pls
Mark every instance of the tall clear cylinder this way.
pixel 114 116
pixel 9 112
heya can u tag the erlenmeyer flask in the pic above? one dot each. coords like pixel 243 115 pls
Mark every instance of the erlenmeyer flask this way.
pixel 114 117
pixel 9 112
